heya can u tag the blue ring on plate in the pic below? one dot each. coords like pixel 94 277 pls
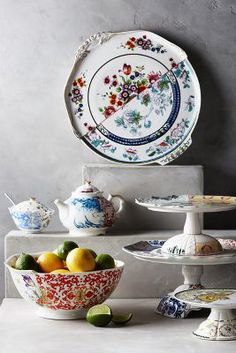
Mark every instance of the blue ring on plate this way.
pixel 155 135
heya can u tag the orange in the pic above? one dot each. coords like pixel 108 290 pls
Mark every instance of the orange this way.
pixel 49 262
pixel 80 260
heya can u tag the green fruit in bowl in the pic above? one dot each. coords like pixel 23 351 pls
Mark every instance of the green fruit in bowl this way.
pixel 26 262
pixel 93 253
pixel 104 262
pixel 63 249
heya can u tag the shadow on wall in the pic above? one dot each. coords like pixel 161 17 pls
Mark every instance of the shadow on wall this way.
pixel 209 144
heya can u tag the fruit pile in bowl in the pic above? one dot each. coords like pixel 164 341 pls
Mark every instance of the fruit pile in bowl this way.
pixel 65 283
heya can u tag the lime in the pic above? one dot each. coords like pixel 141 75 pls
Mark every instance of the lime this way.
pixel 93 253
pixel 63 249
pixel 121 319
pixel 99 315
pixel 104 261
pixel 26 262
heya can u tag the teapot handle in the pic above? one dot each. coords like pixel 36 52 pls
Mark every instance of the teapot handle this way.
pixel 121 202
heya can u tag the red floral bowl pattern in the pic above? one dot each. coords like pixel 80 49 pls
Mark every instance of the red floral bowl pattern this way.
pixel 65 292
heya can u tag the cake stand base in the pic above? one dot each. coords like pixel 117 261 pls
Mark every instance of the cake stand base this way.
pixel 170 306
pixel 219 326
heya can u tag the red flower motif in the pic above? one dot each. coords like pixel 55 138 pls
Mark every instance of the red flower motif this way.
pixel 109 111
pixel 107 80
pixel 153 76
pixel 71 295
pixel 130 44
pixel 126 69
pixel 141 89
pixel 81 82
pixel 89 294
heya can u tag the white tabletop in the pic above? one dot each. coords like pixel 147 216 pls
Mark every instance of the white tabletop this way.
pixel 22 331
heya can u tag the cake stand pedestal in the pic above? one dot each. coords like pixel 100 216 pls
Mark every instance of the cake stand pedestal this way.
pixel 221 323
pixel 192 249
pixel 192 270
pixel 171 307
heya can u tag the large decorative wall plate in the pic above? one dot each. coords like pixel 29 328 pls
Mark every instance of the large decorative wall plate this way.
pixel 133 97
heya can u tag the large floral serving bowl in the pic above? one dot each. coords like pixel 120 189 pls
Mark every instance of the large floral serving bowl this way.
pixel 64 296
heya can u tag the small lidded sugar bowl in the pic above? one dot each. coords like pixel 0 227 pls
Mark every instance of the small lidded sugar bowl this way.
pixel 31 216
pixel 87 212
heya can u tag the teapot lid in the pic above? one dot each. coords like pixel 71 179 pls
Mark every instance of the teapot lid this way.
pixel 87 188
pixel 31 205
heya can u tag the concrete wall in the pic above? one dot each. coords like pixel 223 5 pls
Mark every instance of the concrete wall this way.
pixel 39 156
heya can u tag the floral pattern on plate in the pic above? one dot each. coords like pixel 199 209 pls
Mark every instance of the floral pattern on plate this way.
pixel 143 42
pixel 76 95
pixel 211 297
pixel 140 101
pixel 124 85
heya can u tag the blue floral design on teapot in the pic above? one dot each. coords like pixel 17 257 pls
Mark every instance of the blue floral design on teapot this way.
pixel 87 212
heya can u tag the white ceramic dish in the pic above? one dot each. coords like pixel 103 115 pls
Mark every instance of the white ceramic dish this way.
pixel 221 323
pixel 151 251
pixel 31 216
pixel 192 241
pixel 87 212
pixel 188 203
pixel 192 270
pixel 133 97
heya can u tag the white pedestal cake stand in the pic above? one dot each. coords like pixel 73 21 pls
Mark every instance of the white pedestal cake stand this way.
pixel 192 265
pixel 221 323
pixel 192 270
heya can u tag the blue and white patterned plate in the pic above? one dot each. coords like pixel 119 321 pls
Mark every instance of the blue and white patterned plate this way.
pixel 150 250
pixel 133 97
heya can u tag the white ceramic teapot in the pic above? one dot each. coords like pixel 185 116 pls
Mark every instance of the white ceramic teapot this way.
pixel 87 212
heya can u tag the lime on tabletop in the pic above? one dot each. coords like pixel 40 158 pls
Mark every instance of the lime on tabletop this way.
pixel 104 262
pixel 63 249
pixel 26 262
pixel 121 319
pixel 99 315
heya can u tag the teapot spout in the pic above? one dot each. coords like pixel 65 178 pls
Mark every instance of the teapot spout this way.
pixel 63 209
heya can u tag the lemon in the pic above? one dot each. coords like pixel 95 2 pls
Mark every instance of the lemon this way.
pixel 99 315
pixel 121 319
pixel 61 270
pixel 63 249
pixel 26 262
pixel 104 262
pixel 49 262
pixel 80 260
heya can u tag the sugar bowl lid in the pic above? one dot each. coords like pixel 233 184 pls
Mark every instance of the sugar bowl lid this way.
pixel 31 205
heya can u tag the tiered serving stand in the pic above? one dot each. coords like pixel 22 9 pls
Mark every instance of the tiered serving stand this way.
pixel 192 249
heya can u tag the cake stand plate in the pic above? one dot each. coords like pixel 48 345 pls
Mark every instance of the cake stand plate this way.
pixel 192 270
pixel 191 241
pixel 221 323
